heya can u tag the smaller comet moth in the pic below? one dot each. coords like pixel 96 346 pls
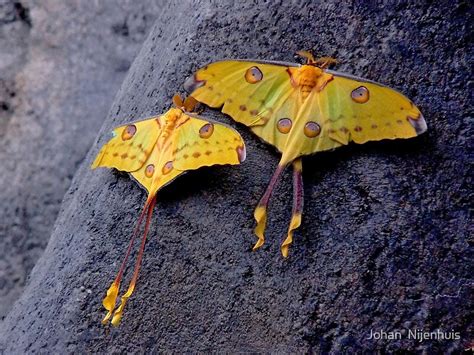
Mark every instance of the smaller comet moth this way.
pixel 155 151
pixel 301 110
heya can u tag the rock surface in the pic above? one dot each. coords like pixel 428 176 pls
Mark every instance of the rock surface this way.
pixel 61 63
pixel 384 242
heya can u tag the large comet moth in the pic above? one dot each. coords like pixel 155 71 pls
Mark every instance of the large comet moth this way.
pixel 301 110
pixel 155 151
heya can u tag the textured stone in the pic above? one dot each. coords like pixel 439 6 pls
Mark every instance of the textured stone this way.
pixel 384 239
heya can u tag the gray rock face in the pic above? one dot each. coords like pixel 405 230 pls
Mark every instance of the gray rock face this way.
pixel 61 63
pixel 384 239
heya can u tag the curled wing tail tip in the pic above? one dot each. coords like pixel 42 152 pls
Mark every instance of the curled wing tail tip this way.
pixel 192 84
pixel 242 152
pixel 188 84
pixel 418 124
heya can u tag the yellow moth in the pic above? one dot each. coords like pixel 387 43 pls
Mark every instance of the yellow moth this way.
pixel 155 151
pixel 301 110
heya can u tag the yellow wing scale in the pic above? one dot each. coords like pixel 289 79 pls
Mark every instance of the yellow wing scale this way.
pixel 386 114
pixel 155 173
pixel 205 143
pixel 130 146
pixel 224 84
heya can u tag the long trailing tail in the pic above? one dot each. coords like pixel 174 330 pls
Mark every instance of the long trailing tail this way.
pixel 297 205
pixel 260 213
pixel 110 299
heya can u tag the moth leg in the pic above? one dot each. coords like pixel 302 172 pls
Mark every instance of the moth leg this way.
pixel 307 55
pixel 297 205
pixel 118 312
pixel 260 213
pixel 325 62
pixel 110 299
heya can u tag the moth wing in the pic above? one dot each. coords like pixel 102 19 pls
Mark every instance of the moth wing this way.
pixel 130 146
pixel 346 109
pixel 157 171
pixel 247 91
pixel 201 142
pixel 356 110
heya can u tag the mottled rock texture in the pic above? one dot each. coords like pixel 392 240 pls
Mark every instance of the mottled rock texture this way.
pixel 384 242
pixel 61 64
